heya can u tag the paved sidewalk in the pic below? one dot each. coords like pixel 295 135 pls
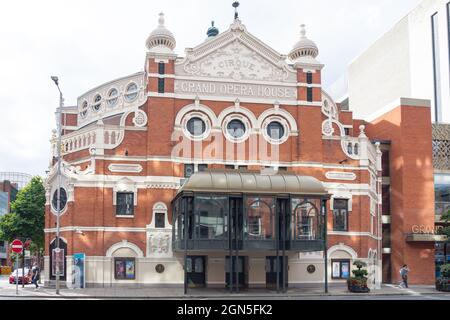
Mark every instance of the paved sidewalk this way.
pixel 8 290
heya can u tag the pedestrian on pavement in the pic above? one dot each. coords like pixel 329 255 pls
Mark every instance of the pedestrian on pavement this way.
pixel 404 274
pixel 36 274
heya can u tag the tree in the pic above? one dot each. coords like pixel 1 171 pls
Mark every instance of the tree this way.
pixel 446 230
pixel 27 217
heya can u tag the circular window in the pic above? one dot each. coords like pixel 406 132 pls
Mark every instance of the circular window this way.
pixel 275 130
pixel 311 269
pixel 236 129
pixel 97 103
pixel 84 109
pixel 63 200
pixel 196 127
pixel 131 92
pixel 159 268
pixel 113 97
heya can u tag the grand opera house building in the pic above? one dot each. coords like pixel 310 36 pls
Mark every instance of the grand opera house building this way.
pixel 230 167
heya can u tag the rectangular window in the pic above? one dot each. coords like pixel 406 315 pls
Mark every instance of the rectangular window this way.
pixel 124 268
pixel 309 78
pixel 125 204
pixel 230 167
pixel 442 193
pixel 243 168
pixel 386 195
pixel 161 68
pixel 161 85
pixel 340 215
pixel 436 67
pixel 283 169
pixel 160 220
pixel 309 95
pixel 340 269
pixel 347 131
pixel 386 164
pixel 202 167
pixel 188 170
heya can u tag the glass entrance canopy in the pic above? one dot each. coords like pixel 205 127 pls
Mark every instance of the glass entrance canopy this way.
pixel 224 210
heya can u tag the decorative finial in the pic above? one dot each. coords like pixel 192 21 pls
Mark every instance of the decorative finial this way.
pixel 161 19
pixel 303 31
pixel 236 6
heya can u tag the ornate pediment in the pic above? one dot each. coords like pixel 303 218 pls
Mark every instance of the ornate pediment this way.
pixel 236 55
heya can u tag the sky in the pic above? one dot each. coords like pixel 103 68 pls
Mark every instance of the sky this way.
pixel 89 42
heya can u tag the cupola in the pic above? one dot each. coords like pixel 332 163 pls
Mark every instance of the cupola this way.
pixel 161 40
pixel 212 31
pixel 304 47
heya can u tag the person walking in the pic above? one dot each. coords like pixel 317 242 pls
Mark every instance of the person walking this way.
pixel 36 273
pixel 404 274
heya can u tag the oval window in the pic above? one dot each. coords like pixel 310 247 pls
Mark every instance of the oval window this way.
pixel 275 130
pixel 97 102
pixel 132 92
pixel 113 97
pixel 196 127
pixel 236 129
pixel 63 200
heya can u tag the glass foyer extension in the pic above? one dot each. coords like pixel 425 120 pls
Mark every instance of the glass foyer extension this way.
pixel 242 214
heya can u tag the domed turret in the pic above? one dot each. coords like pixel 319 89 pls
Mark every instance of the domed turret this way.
pixel 212 31
pixel 161 40
pixel 304 47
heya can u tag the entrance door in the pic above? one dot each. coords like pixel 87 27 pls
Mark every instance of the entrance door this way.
pixel 240 267
pixel 195 267
pixel 271 273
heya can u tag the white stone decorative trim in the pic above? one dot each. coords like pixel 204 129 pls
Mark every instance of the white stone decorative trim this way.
pixel 353 234
pixel 140 119
pixel 342 247
pixel 334 175
pixel 124 244
pixel 125 185
pixel 397 103
pixel 97 229
pixel 127 168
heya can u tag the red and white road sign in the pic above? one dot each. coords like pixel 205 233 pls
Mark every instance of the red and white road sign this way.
pixel 17 246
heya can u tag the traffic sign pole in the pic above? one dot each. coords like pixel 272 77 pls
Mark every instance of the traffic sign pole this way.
pixel 17 274
pixel 17 247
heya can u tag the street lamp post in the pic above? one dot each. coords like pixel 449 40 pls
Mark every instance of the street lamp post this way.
pixel 58 192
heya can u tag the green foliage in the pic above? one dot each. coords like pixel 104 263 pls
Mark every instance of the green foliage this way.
pixel 360 273
pixel 445 271
pixel 360 264
pixel 446 230
pixel 27 217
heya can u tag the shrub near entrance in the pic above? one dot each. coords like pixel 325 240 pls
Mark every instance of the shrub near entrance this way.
pixel 358 283
pixel 443 283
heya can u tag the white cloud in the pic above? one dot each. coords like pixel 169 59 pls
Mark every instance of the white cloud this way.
pixel 87 43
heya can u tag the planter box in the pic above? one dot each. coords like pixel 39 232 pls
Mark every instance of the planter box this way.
pixel 443 284
pixel 358 289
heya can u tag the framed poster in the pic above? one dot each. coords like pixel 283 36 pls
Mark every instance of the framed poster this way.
pixel 345 270
pixel 124 268
pixel 58 262
pixel 78 276
pixel 336 270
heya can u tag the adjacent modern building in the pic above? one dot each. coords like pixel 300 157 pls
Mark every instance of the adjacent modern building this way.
pixel 8 193
pixel 410 60
pixel 230 167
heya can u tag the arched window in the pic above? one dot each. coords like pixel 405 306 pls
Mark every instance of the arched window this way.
pixel 260 219
pixel 306 220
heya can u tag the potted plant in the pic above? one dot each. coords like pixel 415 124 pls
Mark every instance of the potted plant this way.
pixel 358 283
pixel 443 283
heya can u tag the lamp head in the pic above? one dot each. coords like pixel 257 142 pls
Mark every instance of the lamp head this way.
pixel 55 80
